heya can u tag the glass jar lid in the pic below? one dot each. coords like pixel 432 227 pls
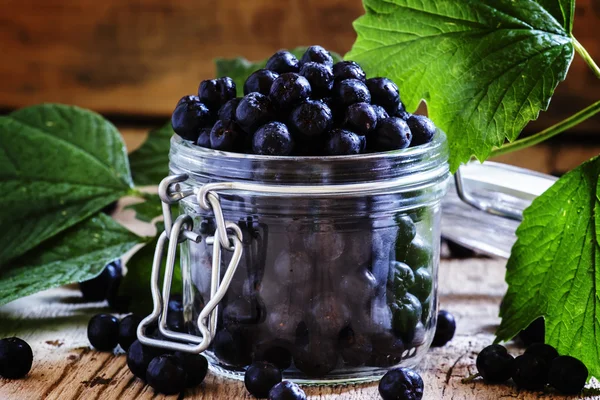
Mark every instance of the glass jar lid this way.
pixel 503 187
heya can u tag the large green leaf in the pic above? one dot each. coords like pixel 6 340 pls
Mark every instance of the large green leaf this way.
pixel 58 166
pixel 77 254
pixel 150 163
pixel 136 284
pixel 485 68
pixel 554 267
pixel 240 68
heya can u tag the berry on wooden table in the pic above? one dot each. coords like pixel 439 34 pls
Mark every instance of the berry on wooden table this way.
pixel 16 358
pixel 445 328
pixel 401 384
pixel 195 367
pixel 286 390
pixel 165 374
pixel 545 351
pixel 494 364
pixel 567 375
pixel 138 358
pixel 260 378
pixel 103 332
pixel 128 330
pixel 530 372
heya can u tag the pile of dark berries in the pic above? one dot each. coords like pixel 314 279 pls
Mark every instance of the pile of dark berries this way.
pixel 306 107
pixel 16 358
pixel 539 366
pixel 401 384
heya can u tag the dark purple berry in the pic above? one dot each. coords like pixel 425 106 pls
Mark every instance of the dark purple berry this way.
pixel 288 90
pixel 189 117
pixel 567 375
pixel 401 384
pixel 343 142
pixel 360 118
pixel 227 111
pixel 400 112
pixel 544 351
pixel 105 284
pixel 311 118
pixel 320 78
pixel 380 112
pixel 226 136
pixel 254 111
pixel 216 92
pixel 195 367
pixel 16 358
pixel 391 134
pixel 534 333
pixel 422 129
pixel 103 332
pixel 138 358
pixel 232 348
pixel 494 364
pixel 351 91
pixel 445 328
pixel 260 81
pixel 166 375
pixel 260 378
pixel 283 62
pixel 348 70
pixel 387 350
pixel 204 138
pixel 385 93
pixel 530 372
pixel 316 54
pixel 287 390
pixel 273 139
pixel 128 330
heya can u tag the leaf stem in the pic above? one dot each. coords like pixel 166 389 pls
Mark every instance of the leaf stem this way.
pixel 586 56
pixel 548 132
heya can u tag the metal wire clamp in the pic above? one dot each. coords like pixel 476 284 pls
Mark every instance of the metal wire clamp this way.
pixel 175 233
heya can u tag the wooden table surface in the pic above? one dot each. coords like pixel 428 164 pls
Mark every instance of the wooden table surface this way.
pixel 54 323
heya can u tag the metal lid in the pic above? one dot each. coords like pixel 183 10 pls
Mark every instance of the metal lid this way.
pixel 484 205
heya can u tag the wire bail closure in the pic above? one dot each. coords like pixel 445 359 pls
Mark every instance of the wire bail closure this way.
pixel 178 232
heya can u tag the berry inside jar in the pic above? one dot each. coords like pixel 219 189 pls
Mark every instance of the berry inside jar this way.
pixel 331 287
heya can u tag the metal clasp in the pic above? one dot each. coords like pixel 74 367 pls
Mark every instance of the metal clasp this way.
pixel 175 233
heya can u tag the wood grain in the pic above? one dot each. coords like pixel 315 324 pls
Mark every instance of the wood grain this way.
pixel 54 323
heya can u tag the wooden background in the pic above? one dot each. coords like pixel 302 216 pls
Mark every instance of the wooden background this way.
pixel 133 59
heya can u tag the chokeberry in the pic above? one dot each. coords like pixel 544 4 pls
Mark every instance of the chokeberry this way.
pixel 400 112
pixel 260 378
pixel 138 358
pixel 320 78
pixel 189 117
pixel 165 374
pixel 260 81
pixel 311 118
pixel 226 136
pixel 316 54
pixel 567 375
pixel 348 70
pixel 283 62
pixel 288 90
pixel 445 328
pixel 545 351
pixel 401 384
pixel 530 372
pixel 494 364
pixel 391 134
pixel 204 138
pixel 273 139
pixel 380 112
pixel 16 358
pixel 360 118
pixel 351 91
pixel 422 129
pixel 103 332
pixel 385 93
pixel 286 390
pixel 128 330
pixel 105 284
pixel 216 92
pixel 254 111
pixel 195 367
pixel 343 142
pixel 232 348
pixel 227 111
pixel 534 333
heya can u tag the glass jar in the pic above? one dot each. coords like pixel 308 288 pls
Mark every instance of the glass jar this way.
pixel 337 280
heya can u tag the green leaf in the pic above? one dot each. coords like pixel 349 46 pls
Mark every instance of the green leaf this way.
pixel 77 254
pixel 554 267
pixel 147 210
pixel 485 68
pixel 58 166
pixel 150 162
pixel 239 68
pixel 136 284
